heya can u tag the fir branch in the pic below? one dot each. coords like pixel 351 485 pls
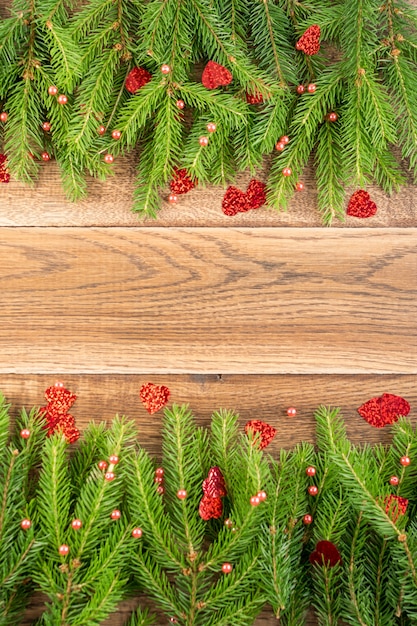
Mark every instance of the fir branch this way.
pixel 329 160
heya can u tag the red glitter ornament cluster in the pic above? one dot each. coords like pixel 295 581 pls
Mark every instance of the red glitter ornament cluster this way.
pixel 59 401
pixel 361 205
pixel 214 489
pixel 383 410
pixel 137 78
pixel 215 75
pixel 309 42
pixel 154 397
pixel 395 506
pixel 236 201
pixel 265 432
pixel 4 174
pixel 326 553
pixel 182 182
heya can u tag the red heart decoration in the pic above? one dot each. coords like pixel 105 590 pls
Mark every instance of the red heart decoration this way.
pixel 325 553
pixel 154 397
pixel 236 201
pixel 254 98
pixel 214 485
pixel 182 182
pixel 361 205
pixel 380 411
pixel 137 78
pixel 4 174
pixel 60 400
pixel 215 75
pixel 256 194
pixel 309 42
pixel 210 508
pixel 395 506
pixel 265 431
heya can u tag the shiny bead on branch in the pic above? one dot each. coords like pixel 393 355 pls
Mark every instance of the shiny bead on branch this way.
pixel 102 465
pixel 299 186
pixel 25 433
pixel 280 146
pixel 181 494
pixel 3 117
pixel 172 198
pixel 116 134
pixel 160 490
pixel 311 471
pixel 25 524
pixel 109 476
pixel 291 411
pixel 62 99
pixel 227 568
pixel 46 156
pixel 101 129
pixel 114 459
pixel 159 479
pixel 261 495
pixel 332 117
pixel 173 620
pixel 405 460
pixel 76 524
pixel 180 104
pixel 301 89
pixel 311 88
pixel 255 500
pixel 228 523
pixel 159 471
pixel 108 158
pixel 63 550
pixel 287 171
pixel 137 533
pixel 46 126
pixel 52 90
pixel 116 514
pixel 165 69
pixel 211 127
pixel 203 141
pixel 394 480
pixel 284 139
pixel 313 490
pixel 307 519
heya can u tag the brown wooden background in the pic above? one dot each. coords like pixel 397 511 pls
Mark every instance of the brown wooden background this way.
pixel 256 313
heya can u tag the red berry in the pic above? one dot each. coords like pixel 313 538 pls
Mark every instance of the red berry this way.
pixel 255 500
pixel 114 459
pixel 313 490
pixel 46 156
pixel 165 69
pixel 25 433
pixel 160 490
pixel 299 186
pixel 109 476
pixel 159 471
pixel 227 568
pixel 172 198
pixel 181 494
pixel 311 88
pixel 52 90
pixel 3 116
pixel 116 134
pixel 203 141
pixel 285 139
pixel 307 519
pixel 279 146
pixel 261 495
pixel 62 99
pixel 63 550
pixel 211 127
pixel 137 533
pixel 76 524
pixel 46 127
pixel 311 471
pixel 332 117
pixel 101 130
pixel 159 479
pixel 180 104
pixel 25 524
pixel 301 89
pixel 59 384
pixel 108 158
pixel 287 171
pixel 116 514
pixel 102 465
pixel 394 480
pixel 291 411
pixel 405 460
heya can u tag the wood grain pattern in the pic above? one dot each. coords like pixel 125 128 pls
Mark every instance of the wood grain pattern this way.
pixel 208 301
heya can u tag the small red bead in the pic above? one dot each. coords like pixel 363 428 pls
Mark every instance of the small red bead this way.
pixel 25 524
pixel 301 89
pixel 108 158
pixel 3 116
pixel 313 490
pixel 102 465
pixel 25 433
pixel 172 620
pixel 76 524
pixel 63 550
pixel 405 460
pixel 116 514
pixel 311 88
pixel 137 533
pixel 261 495
pixel 332 117
pixel 311 471
pixel 46 127
pixel 203 141
pixel 109 476
pixel 181 494
pixel 159 471
pixel 255 500
pixel 159 479
pixel 299 186
pixel 160 490
pixel 285 139
pixel 52 90
pixel 280 146
pixel 46 156
pixel 394 480
pixel 114 459
pixel 116 134
pixel 62 99
pixel 291 411
pixel 211 127
pixel 227 568
pixel 101 130
pixel 180 104
pixel 287 171
pixel 172 198
pixel 165 69
pixel 59 384
pixel 307 519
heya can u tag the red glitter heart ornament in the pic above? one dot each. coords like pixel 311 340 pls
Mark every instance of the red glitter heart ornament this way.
pixel 210 508
pixel 59 399
pixel 265 432
pixel 137 78
pixel 215 75
pixel 395 506
pixel 66 425
pixel 361 205
pixel 383 410
pixel 154 397
pixel 234 201
pixel 182 182
pixel 254 98
pixel 214 485
pixel 326 553
pixel 4 174
pixel 256 194
pixel 309 42
pixel 56 412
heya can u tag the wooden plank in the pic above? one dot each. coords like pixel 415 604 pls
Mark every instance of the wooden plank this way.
pixel 109 204
pixel 207 300
pixel 101 397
